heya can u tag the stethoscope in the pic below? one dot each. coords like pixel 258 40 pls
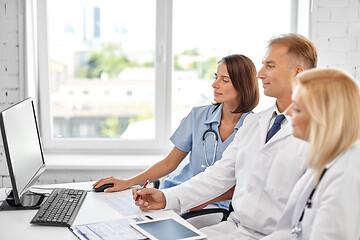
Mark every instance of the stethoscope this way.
pixel 297 229
pixel 210 131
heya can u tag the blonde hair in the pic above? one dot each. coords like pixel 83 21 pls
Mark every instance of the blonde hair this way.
pixel 333 100
pixel 300 49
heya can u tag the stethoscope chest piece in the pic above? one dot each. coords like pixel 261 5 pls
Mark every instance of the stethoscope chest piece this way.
pixel 296 230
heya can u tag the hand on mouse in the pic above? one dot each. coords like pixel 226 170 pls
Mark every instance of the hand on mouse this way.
pixel 119 184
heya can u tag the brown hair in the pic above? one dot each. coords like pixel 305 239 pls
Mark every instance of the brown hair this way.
pixel 302 50
pixel 242 73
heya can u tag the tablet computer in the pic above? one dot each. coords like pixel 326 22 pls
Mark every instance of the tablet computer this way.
pixel 167 229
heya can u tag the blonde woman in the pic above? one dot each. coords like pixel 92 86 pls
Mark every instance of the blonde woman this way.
pixel 325 203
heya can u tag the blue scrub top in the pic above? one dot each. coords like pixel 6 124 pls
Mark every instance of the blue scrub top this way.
pixel 188 138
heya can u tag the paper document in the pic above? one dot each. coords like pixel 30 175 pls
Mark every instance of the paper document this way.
pixel 112 230
pixel 123 203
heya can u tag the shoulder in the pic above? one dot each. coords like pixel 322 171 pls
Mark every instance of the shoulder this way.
pixel 348 163
pixel 344 169
pixel 267 112
pixel 202 110
pixel 198 115
pixel 252 118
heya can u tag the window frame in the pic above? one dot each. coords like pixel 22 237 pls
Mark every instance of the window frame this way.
pixel 163 74
pixel 37 74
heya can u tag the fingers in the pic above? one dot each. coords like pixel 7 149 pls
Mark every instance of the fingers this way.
pixel 149 198
pixel 141 197
pixel 135 194
pixel 110 189
pixel 104 181
pixel 144 191
pixel 99 181
pixel 143 205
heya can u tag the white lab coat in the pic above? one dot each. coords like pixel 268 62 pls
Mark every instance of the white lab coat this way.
pixel 335 211
pixel 264 174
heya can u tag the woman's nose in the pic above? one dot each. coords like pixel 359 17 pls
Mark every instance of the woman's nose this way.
pixel 215 84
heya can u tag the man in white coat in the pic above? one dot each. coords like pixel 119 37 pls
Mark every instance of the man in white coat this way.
pixel 258 172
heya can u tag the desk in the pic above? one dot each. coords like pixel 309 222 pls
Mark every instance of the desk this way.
pixel 15 225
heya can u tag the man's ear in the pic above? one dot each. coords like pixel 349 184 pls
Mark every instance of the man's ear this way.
pixel 299 69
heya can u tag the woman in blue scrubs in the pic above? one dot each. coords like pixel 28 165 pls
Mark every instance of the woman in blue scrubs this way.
pixel 236 94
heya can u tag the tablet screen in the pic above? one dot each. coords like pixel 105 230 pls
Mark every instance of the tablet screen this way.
pixel 167 229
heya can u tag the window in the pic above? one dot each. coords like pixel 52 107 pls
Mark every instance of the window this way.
pixel 120 75
pixel 203 35
pixel 104 71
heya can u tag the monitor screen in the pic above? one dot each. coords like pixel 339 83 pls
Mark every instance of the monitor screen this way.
pixel 22 146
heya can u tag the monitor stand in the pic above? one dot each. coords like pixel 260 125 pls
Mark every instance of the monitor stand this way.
pixel 28 201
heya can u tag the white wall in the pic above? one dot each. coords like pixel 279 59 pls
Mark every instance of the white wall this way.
pixel 10 91
pixel 335 30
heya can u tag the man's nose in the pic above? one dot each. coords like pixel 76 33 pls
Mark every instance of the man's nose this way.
pixel 260 74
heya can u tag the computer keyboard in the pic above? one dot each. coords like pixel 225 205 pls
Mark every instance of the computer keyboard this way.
pixel 60 208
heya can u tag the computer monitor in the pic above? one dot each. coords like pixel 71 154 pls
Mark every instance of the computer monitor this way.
pixel 24 155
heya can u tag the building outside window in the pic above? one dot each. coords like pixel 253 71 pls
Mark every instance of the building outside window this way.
pixel 122 74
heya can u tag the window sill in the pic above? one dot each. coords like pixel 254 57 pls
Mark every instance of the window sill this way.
pixel 100 161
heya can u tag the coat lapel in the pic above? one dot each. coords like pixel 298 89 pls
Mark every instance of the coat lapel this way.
pixel 263 123
pixel 284 131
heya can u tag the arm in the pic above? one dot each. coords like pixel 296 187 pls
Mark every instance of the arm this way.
pixel 225 196
pixel 215 180
pixel 205 186
pixel 160 169
pixel 182 139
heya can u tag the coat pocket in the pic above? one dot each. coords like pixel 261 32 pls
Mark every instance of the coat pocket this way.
pixel 286 169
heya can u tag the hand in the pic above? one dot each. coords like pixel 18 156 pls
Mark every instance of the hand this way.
pixel 119 184
pixel 150 198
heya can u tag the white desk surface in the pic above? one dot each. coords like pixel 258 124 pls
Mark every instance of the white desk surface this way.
pixel 15 225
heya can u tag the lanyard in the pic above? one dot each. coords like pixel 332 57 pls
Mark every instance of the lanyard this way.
pixel 297 229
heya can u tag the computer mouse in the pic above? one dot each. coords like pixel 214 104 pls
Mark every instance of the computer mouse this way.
pixel 103 187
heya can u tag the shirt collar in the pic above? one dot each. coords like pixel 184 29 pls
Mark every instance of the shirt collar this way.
pixel 214 116
pixel 277 112
pixel 241 120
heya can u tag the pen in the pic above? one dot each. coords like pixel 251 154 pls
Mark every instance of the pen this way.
pixel 137 198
